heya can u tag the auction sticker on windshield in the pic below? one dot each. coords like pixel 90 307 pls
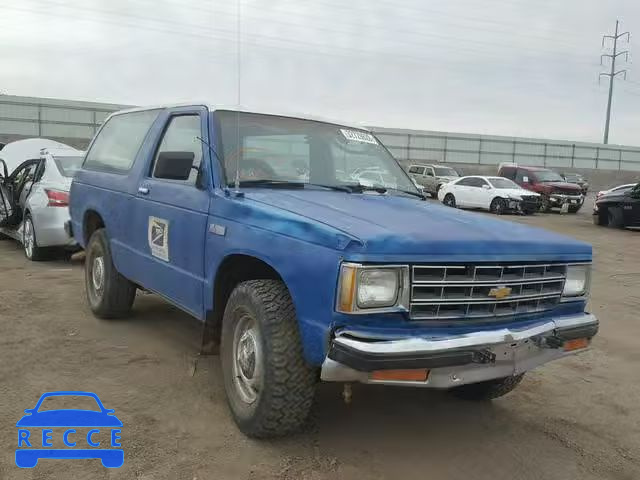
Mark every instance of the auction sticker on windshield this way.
pixel 357 136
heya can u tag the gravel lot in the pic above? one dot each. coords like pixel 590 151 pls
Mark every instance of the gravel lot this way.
pixel 578 418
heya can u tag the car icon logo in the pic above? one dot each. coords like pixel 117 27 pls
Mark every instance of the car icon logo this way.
pixel 69 433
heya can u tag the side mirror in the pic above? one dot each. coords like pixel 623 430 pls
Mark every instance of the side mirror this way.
pixel 486 187
pixel 174 165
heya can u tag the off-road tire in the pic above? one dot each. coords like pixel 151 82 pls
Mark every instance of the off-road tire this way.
pixel 288 383
pixel 118 293
pixel 451 202
pixel 498 206
pixel 615 217
pixel 487 390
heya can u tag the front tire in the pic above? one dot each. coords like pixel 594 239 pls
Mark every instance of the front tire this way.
pixel 110 295
pixel 449 200
pixel 545 204
pixel 498 206
pixel 488 390
pixel 269 386
pixel 29 241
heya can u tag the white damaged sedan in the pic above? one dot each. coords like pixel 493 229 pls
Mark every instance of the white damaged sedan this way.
pixel 497 194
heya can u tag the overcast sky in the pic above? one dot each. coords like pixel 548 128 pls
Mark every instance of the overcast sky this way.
pixel 507 67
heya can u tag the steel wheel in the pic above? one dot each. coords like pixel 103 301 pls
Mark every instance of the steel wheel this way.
pixel 28 238
pixel 96 272
pixel 247 358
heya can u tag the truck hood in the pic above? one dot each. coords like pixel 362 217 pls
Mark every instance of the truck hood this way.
pixel 449 178
pixel 395 227
pixel 562 186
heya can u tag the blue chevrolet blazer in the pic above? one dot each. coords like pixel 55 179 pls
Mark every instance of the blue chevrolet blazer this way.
pixel 309 254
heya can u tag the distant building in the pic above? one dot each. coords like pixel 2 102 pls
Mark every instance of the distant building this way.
pixel 68 121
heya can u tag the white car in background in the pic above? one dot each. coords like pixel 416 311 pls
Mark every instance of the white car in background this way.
pixel 496 194
pixel 34 199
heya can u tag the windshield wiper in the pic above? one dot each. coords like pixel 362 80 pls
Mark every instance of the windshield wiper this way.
pixel 409 192
pixel 263 182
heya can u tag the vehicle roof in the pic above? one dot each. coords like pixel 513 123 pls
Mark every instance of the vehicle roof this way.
pixel 235 108
pixel 430 165
pixel 528 167
pixel 63 152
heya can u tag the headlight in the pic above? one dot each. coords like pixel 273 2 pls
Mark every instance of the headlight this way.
pixel 363 289
pixel 577 281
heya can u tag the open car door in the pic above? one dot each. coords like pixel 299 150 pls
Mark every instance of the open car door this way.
pixel 14 190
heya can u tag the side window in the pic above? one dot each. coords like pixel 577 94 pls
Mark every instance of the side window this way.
pixel 429 172
pixel 481 182
pixel 182 136
pixel 465 182
pixel 417 170
pixel 117 144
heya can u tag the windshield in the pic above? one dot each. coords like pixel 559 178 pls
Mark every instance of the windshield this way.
pixel 445 172
pixel 68 166
pixel 572 177
pixel 282 149
pixel 502 183
pixel 547 176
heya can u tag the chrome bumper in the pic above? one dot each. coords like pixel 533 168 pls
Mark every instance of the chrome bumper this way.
pixel 458 360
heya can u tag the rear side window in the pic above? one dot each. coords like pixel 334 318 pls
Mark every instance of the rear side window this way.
pixel 466 182
pixel 68 166
pixel 116 146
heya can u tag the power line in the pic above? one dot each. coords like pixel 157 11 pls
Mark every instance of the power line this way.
pixel 613 73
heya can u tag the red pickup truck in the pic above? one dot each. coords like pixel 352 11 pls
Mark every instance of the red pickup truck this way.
pixel 554 190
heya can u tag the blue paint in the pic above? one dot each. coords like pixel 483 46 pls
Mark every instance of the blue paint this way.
pixel 303 235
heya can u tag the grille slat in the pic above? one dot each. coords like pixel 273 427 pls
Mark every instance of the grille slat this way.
pixel 448 292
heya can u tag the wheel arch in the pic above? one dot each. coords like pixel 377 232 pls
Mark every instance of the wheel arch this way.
pixel 232 270
pixel 91 221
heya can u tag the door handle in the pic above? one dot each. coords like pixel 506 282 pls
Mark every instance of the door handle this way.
pixel 143 190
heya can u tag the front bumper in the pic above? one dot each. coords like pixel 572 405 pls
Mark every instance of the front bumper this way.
pixel 456 360
pixel 558 199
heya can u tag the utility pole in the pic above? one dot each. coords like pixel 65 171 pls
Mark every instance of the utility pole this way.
pixel 612 73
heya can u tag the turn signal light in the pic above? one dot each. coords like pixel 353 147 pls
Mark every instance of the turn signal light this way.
pixel 413 375
pixel 575 344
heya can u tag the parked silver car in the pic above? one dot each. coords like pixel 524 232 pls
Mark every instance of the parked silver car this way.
pixel 34 200
pixel 431 177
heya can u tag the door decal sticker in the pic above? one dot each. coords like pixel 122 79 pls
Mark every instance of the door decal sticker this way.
pixel 158 238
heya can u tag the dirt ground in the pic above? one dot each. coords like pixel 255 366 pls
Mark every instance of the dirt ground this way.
pixel 576 419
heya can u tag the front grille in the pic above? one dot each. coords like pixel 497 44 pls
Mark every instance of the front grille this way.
pixel 470 292
pixel 566 191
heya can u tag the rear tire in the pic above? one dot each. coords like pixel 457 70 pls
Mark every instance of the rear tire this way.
pixel 498 206
pixel 269 386
pixel 449 200
pixel 615 217
pixel 110 295
pixel 30 243
pixel 488 390
pixel 600 217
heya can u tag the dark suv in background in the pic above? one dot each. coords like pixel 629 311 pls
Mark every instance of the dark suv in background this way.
pixel 555 192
